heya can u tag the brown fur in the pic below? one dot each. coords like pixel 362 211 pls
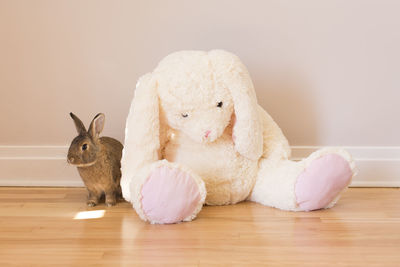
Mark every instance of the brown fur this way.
pixel 99 165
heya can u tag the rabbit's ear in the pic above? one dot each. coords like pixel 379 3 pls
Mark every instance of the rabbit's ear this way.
pixel 78 124
pixel 247 130
pixel 142 141
pixel 97 125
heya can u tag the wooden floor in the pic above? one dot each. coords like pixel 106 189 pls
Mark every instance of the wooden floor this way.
pixel 37 228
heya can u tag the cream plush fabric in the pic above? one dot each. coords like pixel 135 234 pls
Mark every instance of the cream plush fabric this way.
pixel 197 114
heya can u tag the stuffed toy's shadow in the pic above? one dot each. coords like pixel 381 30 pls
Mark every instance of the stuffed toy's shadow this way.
pixel 195 135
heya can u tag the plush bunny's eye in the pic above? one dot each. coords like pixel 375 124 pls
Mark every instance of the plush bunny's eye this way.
pixel 84 147
pixel 184 115
pixel 220 104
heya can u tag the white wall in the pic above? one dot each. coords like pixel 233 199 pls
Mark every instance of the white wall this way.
pixel 327 71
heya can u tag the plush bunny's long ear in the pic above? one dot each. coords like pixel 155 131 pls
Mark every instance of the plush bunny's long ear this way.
pixel 247 130
pixel 142 132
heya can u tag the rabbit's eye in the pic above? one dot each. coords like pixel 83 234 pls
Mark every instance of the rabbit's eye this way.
pixel 84 147
pixel 220 104
pixel 184 115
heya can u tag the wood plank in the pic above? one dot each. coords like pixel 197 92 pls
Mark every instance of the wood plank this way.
pixel 37 228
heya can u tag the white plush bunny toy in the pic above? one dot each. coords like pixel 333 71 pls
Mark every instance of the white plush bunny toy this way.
pixel 195 135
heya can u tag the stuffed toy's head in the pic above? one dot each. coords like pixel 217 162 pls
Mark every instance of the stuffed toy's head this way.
pixel 200 93
pixel 193 97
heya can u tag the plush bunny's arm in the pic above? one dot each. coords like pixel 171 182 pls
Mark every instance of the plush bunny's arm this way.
pixel 275 144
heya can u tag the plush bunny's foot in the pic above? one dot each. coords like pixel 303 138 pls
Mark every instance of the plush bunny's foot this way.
pixel 321 182
pixel 313 183
pixel 171 195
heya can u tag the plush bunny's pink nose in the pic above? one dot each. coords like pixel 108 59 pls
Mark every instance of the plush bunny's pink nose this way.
pixel 207 133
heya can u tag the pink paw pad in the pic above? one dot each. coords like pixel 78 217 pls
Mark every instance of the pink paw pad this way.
pixel 322 181
pixel 169 195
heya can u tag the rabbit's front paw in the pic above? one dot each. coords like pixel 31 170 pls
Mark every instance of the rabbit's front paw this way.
pixel 110 198
pixel 171 195
pixel 93 198
pixel 110 203
pixel 91 203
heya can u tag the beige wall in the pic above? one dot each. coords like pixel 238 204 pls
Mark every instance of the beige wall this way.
pixel 327 71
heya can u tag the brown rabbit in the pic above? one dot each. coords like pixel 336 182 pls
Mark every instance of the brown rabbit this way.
pixel 98 160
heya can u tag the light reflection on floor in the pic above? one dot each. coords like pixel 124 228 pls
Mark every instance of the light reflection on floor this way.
pixel 93 214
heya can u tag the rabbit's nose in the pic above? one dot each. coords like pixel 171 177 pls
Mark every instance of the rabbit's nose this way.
pixel 71 160
pixel 207 133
